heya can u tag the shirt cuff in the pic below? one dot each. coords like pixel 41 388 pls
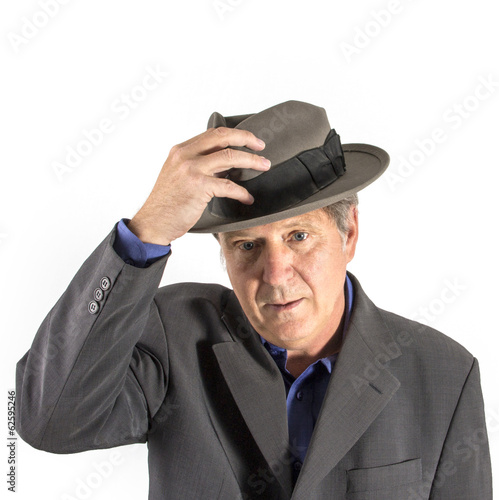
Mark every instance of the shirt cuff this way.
pixel 134 251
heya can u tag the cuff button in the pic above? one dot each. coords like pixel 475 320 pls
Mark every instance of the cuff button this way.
pixel 105 283
pixel 93 307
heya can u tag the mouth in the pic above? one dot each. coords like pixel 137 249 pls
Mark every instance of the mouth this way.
pixel 287 306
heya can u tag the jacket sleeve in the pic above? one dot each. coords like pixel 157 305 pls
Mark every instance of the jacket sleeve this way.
pixel 464 468
pixel 96 372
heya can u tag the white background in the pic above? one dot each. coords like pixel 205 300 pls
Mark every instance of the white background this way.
pixel 423 226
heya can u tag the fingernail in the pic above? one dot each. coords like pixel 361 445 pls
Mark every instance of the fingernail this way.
pixel 265 161
pixel 260 143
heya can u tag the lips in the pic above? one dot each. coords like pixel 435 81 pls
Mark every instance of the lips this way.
pixel 287 306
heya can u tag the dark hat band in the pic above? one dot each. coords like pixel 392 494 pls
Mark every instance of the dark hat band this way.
pixel 299 178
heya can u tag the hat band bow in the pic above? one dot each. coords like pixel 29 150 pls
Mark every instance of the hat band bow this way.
pixel 288 183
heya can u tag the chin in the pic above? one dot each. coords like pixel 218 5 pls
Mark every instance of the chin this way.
pixel 286 337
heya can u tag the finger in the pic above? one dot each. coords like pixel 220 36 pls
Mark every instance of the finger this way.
pixel 215 139
pixel 225 188
pixel 228 158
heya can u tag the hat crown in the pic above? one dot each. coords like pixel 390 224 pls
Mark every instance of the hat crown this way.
pixel 310 168
pixel 287 129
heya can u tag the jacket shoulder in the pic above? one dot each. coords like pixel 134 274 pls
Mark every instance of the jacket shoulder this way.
pixel 429 345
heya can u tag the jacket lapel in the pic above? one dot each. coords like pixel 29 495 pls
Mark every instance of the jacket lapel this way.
pixel 359 389
pixel 258 390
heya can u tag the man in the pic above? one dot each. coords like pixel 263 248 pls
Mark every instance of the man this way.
pixel 294 384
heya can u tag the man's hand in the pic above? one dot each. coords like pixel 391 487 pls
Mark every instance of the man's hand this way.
pixel 191 177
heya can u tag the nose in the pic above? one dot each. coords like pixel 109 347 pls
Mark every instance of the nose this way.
pixel 277 264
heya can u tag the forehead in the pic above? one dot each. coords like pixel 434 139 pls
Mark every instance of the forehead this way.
pixel 317 220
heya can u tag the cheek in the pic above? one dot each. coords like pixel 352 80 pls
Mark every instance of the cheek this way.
pixel 326 257
pixel 246 293
pixel 324 272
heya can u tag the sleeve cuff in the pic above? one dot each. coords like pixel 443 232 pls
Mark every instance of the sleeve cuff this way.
pixel 134 251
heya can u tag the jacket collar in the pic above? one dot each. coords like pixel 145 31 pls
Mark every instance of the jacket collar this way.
pixel 359 388
pixel 258 390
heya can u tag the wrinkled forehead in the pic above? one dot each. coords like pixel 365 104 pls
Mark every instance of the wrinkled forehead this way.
pixel 316 220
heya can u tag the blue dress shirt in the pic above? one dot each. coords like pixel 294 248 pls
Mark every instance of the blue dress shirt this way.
pixel 305 394
pixel 134 251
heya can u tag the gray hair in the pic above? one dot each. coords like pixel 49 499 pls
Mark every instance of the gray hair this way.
pixel 341 213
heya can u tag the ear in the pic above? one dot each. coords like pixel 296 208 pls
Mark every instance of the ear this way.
pixel 353 233
pixel 222 255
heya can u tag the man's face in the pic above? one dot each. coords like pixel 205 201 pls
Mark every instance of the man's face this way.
pixel 288 277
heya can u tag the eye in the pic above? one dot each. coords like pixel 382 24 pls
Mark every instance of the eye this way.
pixel 300 236
pixel 247 245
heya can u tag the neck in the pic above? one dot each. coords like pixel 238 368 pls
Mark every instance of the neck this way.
pixel 300 359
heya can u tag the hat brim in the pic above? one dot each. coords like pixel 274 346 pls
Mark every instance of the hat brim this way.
pixel 364 164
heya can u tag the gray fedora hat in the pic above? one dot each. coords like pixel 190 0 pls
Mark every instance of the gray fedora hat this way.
pixel 310 168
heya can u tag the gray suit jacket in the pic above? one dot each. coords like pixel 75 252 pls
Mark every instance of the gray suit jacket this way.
pixel 182 369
